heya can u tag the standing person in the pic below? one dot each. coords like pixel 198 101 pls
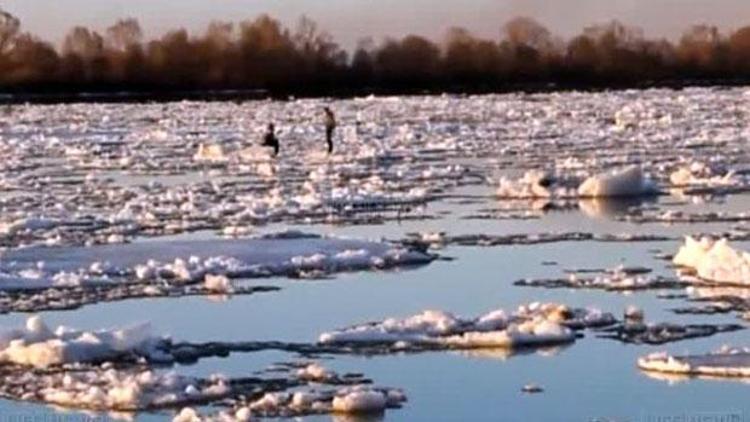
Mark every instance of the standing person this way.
pixel 330 126
pixel 270 140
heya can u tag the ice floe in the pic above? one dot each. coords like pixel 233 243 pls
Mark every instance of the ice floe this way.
pixel 715 299
pixel 677 216
pixel 714 260
pixel 625 182
pixel 431 239
pixel 358 399
pixel 629 181
pixel 37 279
pixel 536 324
pixel 210 153
pixel 39 346
pixel 117 370
pixel 121 390
pixel 726 362
pixel 292 254
pixel 620 278
pixel 699 174
pixel 635 332
pixel 533 184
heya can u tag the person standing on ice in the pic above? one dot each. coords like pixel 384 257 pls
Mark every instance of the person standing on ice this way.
pixel 270 140
pixel 330 121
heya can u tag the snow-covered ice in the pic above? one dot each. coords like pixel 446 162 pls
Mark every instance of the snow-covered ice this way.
pixel 726 362
pixel 536 324
pixel 714 260
pixel 118 370
pixel 699 174
pixel 39 346
pixel 629 181
pixel 104 202
pixel 191 261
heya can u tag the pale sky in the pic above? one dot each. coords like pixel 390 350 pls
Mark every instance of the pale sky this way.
pixel 350 20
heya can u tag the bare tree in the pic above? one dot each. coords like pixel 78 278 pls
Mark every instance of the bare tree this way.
pixel 83 43
pixel 699 47
pixel 124 34
pixel 739 49
pixel 9 27
pixel 527 32
pixel 220 34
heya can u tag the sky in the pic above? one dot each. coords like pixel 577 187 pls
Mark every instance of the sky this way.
pixel 350 20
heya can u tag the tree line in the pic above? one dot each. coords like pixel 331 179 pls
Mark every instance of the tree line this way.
pixel 262 54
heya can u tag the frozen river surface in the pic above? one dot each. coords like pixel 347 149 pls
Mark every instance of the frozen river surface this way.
pixel 565 211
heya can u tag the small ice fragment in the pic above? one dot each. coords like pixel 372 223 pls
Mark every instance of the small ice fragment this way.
pixel 532 388
pixel 218 284
pixel 633 314
pixel 629 181
pixel 364 401
pixel 187 414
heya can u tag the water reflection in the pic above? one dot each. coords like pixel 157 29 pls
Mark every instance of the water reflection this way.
pixel 613 207
pixel 378 417
pixel 506 353
pixel 674 378
pixel 718 292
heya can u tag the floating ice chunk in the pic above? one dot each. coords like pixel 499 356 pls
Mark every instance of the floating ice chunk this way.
pixel 430 323
pixel 243 414
pixel 714 261
pixel 495 320
pixel 218 284
pixel 285 254
pixel 360 401
pixel 315 372
pixel 29 223
pixel 125 390
pixel 699 174
pixel 619 278
pixel 187 414
pixel 626 118
pixel 531 325
pixel 533 184
pixel 633 314
pixel 256 153
pixel 38 346
pixel 693 251
pixel 270 402
pixel 726 362
pixel 532 389
pixel 357 399
pixel 432 237
pixel 526 334
pixel 536 184
pixel 75 151
pixel 629 181
pixel 210 153
pixel 236 231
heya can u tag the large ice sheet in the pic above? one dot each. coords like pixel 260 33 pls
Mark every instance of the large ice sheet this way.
pixel 189 261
